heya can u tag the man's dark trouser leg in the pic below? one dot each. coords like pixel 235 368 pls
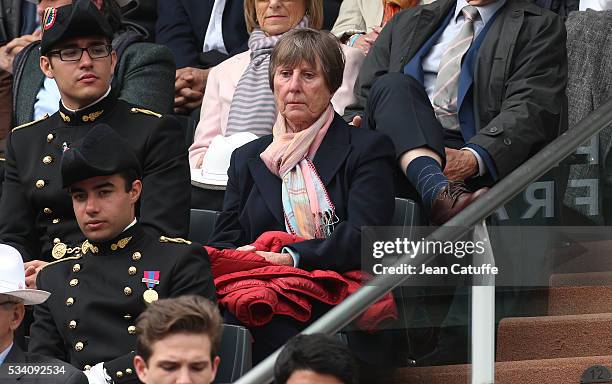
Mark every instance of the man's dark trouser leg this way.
pixel 398 106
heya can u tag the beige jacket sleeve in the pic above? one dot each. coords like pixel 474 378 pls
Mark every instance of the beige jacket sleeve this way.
pixel 360 16
pixel 357 16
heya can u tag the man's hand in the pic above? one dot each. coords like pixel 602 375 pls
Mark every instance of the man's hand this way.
pixel 366 41
pixel 277 258
pixel 13 47
pixel 189 86
pixel 31 271
pixel 356 121
pixel 460 164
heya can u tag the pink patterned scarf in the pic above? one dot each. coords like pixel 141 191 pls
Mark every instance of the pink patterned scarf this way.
pixel 308 211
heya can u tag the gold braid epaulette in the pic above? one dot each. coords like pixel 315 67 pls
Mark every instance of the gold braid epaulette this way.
pixel 30 123
pixel 60 260
pixel 145 111
pixel 178 240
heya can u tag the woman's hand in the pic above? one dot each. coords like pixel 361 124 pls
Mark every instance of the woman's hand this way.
pixel 247 248
pixel 277 258
pixel 271 257
pixel 365 42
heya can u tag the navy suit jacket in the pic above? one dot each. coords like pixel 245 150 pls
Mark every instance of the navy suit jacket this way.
pixel 181 26
pixel 356 166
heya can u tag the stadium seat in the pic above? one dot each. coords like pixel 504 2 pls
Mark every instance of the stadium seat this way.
pixel 202 224
pixel 188 125
pixel 235 354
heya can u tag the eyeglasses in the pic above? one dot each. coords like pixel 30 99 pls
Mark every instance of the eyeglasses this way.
pixel 97 51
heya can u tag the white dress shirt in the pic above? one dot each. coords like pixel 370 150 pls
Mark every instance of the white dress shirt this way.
pixel 47 99
pixel 5 353
pixel 213 40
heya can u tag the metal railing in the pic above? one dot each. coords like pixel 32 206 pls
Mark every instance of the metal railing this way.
pixel 546 159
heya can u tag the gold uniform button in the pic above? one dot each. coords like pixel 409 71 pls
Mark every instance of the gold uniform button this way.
pixel 72 324
pixel 79 346
pixel 56 240
pixel 136 256
pixel 131 329
pixel 119 374
pixel 87 367
pixel 47 160
pixel 127 291
pixel 50 138
pixel 40 184
pixel 132 271
pixel 76 268
pixel 48 211
pixel 55 221
pixel 74 282
pixel 69 301
pixel 128 371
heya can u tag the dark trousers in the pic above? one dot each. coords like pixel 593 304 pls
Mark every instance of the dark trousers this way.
pixel 399 107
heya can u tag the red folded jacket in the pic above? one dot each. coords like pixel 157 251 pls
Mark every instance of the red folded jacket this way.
pixel 254 290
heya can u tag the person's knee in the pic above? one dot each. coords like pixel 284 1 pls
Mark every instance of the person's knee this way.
pixel 394 84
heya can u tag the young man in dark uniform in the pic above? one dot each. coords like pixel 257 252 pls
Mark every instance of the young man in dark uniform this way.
pixel 36 214
pixel 97 295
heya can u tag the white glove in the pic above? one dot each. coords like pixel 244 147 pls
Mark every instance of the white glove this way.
pixel 97 375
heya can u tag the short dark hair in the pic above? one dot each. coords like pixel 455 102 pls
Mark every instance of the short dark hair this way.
pixel 319 353
pixel 314 47
pixel 129 176
pixel 184 314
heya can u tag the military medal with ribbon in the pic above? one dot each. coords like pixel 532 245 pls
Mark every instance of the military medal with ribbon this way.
pixel 151 279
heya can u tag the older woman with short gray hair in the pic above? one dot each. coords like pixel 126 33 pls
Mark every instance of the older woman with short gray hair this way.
pixel 315 176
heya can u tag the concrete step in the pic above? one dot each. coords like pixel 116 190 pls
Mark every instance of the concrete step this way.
pixel 550 371
pixel 549 337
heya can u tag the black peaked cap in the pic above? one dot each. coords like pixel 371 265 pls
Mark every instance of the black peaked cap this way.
pixel 101 152
pixel 81 18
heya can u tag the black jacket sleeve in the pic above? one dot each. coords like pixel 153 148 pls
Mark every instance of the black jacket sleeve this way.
pixel 534 107
pixel 166 192
pixel 17 218
pixel 45 337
